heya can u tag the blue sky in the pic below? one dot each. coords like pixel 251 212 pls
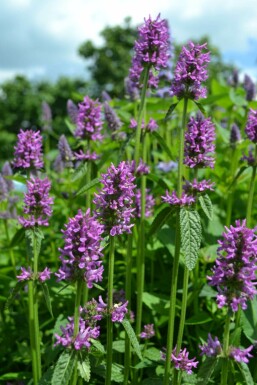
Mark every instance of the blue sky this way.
pixel 40 38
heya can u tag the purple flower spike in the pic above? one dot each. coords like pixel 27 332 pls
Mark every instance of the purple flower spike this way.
pixel 196 188
pixel 114 202
pixel 151 50
pixel 234 269
pixel 112 120
pixel 251 126
pixel 81 255
pixel 241 355
pixel 118 311
pixel 190 72
pixel 148 332
pixel 7 171
pixel 131 89
pixel 3 189
pixel 235 135
pixel 141 169
pixel 87 156
pixel 46 117
pixel 181 360
pixel 72 110
pixel 25 275
pixel 37 203
pixel 199 143
pixel 89 121
pixel 250 88
pixel 212 348
pixel 173 199
pixel 149 203
pixel 28 151
pixel 250 158
pixel 44 275
pixel 65 153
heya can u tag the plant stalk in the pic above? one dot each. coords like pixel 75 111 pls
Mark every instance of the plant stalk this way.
pixel 224 368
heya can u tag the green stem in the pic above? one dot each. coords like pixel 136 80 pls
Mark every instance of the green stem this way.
pixel 224 368
pixel 234 162
pixel 88 180
pixel 128 298
pixel 251 191
pixel 79 289
pixel 109 308
pixel 34 356
pixel 140 115
pixel 174 278
pixel 36 320
pixel 183 310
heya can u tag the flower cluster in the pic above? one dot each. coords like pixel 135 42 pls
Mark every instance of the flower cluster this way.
pixel 195 187
pixel 150 126
pixel 199 142
pixel 114 202
pixel 173 199
pixel 148 332
pixel 250 158
pixel 81 254
pixel 234 270
pixel 27 274
pixel 181 360
pixel 151 49
pixel 190 72
pixel 149 203
pixel 131 89
pixel 235 135
pixel 65 157
pixel 87 156
pixel 46 117
pixel 37 203
pixel 72 110
pixel 141 169
pixel 249 87
pixel 112 120
pixel 241 355
pixel 212 348
pixel 82 339
pixel 89 121
pixel 28 151
pixel 251 126
pixel 118 310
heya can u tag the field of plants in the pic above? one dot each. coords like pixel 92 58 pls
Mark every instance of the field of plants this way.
pixel 128 245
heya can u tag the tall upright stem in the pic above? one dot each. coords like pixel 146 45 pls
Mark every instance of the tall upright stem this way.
pixel 128 298
pixel 174 278
pixel 34 356
pixel 109 308
pixel 230 199
pixel 224 368
pixel 35 300
pixel 251 191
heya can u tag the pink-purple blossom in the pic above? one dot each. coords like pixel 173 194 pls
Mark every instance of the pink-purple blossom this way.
pixel 148 332
pixel 174 200
pixel 37 209
pixel 87 156
pixel 72 110
pixel 81 255
pixel 240 354
pixel 25 275
pixel 46 117
pixel 44 275
pixel 196 187
pixel 211 348
pixel 181 361
pixel 117 312
pixel 28 150
pixel 89 120
pixel 113 121
pixel 251 126
pixel 250 88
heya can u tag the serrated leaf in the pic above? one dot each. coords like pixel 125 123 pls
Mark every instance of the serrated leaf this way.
pixel 117 373
pixel 170 110
pixel 18 237
pixel 132 337
pixel 14 292
pixel 206 370
pixel 245 371
pixel 206 205
pixel 64 368
pixel 84 368
pixel 34 236
pixel 200 107
pixel 88 186
pixel 47 298
pixel 97 344
pixel 47 377
pixel 80 172
pixel 191 231
pixel 162 143
pixel 161 218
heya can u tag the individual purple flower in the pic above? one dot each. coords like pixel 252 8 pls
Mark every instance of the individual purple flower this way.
pixel 212 348
pixel 37 207
pixel 235 135
pixel 241 355
pixel 250 158
pixel 195 187
pixel 87 156
pixel 141 169
pixel 149 203
pixel 190 72
pixel 46 117
pixel 234 270
pixel 148 332
pixel 7 171
pixel 44 275
pixel 250 88
pixel 167 166
pixel 181 360
pixel 83 338
pixel 28 151
pixel 72 110
pixel 25 275
pixel 199 142
pixel 251 126
pixel 89 121
pixel 81 255
pixel 131 89
pixel 151 50
pixel 114 201
pixel 185 200
pixel 112 119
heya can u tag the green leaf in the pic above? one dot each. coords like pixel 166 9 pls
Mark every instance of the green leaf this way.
pixel 47 297
pixel 200 107
pixel 162 143
pixel 161 218
pixel 88 186
pixel 70 126
pixel 35 236
pixel 18 237
pixel 132 336
pixel 158 180
pixel 80 172
pixel 170 110
pixel 206 205
pixel 117 373
pixel 14 292
pixel 46 379
pixel 206 370
pixel 64 368
pixel 245 371
pixel 97 344
pixel 84 367
pixel 191 231
pixel 98 287
pixel 16 376
pixel 199 319
pixel 249 320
